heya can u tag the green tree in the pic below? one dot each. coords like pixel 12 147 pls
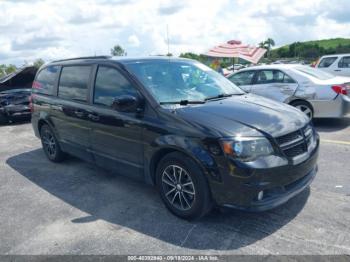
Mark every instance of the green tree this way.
pixel 38 62
pixel 189 55
pixel 267 44
pixel 262 44
pixel 117 50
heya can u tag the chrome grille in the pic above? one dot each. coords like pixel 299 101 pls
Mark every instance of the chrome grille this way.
pixel 290 138
pixel 295 150
pixel 297 142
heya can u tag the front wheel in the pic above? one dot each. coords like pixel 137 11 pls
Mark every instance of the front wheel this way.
pixel 3 119
pixel 304 107
pixel 183 186
pixel 50 145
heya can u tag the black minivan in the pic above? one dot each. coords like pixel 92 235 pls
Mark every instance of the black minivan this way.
pixel 178 125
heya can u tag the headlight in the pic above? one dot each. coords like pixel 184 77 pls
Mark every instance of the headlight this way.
pixel 247 148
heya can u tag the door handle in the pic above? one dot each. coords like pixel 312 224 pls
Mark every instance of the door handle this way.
pixel 337 70
pixel 79 113
pixel 93 117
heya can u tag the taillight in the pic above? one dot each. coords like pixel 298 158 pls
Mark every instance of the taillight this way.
pixel 340 89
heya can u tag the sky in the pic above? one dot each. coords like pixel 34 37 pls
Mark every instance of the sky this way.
pixel 52 29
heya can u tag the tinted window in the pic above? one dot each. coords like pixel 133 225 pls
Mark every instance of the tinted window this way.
pixel 45 80
pixel 74 82
pixel 110 84
pixel 272 76
pixel 344 62
pixel 243 78
pixel 327 61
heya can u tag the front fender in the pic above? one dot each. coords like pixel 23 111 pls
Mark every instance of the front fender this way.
pixel 192 147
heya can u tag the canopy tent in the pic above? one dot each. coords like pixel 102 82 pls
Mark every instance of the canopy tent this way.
pixel 235 48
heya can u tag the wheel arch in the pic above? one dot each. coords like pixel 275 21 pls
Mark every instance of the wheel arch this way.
pixel 161 153
pixel 42 122
pixel 295 100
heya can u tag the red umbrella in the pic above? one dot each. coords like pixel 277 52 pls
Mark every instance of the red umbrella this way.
pixel 234 48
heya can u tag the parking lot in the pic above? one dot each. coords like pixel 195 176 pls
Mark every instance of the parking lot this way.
pixel 76 208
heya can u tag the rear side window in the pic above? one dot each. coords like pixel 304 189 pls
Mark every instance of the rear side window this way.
pixel 45 81
pixel 243 78
pixel 327 61
pixel 110 84
pixel 272 76
pixel 344 62
pixel 74 82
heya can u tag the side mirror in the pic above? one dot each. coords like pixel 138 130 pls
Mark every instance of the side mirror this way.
pixel 127 104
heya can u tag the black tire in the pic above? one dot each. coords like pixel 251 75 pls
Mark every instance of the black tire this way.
pixel 3 119
pixel 304 107
pixel 193 198
pixel 50 145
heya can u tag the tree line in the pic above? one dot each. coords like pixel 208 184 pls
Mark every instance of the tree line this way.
pixel 308 51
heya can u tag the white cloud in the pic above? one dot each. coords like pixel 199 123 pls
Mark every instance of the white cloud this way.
pixel 134 41
pixel 57 29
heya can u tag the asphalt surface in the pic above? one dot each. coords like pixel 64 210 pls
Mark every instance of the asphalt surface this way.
pixel 76 208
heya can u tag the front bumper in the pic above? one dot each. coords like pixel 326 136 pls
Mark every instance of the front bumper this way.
pixel 279 195
pixel 240 187
pixel 15 111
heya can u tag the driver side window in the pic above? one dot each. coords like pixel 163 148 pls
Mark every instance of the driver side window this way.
pixel 109 84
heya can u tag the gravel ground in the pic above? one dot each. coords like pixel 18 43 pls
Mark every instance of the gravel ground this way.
pixel 76 208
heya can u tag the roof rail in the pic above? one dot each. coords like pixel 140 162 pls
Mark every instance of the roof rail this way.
pixel 84 57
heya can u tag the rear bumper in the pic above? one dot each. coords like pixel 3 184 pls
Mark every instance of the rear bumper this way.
pixel 339 107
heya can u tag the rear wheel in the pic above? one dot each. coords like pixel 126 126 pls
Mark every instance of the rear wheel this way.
pixel 304 107
pixel 183 186
pixel 50 145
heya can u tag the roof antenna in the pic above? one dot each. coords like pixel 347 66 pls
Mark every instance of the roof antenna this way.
pixel 167 36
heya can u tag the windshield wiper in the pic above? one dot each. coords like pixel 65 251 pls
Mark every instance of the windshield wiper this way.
pixel 221 96
pixel 183 102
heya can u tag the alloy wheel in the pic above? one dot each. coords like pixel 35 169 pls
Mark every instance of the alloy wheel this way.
pixel 305 109
pixel 178 187
pixel 49 143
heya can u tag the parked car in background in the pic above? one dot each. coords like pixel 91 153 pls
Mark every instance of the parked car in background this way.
pixel 179 125
pixel 15 91
pixel 317 93
pixel 335 64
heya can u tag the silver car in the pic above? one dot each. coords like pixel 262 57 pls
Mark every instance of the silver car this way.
pixel 315 92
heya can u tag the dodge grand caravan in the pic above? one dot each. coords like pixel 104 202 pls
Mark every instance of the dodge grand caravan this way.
pixel 178 125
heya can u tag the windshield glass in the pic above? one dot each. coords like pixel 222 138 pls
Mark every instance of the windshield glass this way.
pixel 319 74
pixel 172 81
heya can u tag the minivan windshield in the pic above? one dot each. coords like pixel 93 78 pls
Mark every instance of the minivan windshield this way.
pixel 319 74
pixel 174 81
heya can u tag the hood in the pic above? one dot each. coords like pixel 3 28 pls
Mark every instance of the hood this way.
pixel 21 79
pixel 248 115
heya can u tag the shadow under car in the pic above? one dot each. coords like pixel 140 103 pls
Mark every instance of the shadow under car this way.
pixel 128 203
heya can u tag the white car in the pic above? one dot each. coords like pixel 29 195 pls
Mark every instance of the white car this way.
pixel 335 64
pixel 315 92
